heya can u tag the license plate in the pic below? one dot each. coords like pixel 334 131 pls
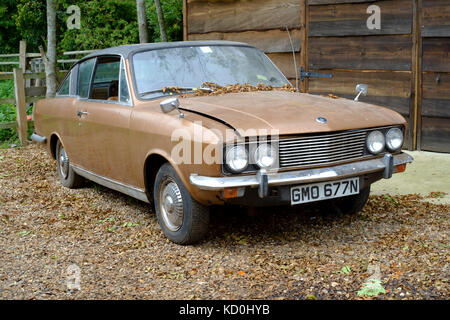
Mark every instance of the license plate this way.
pixel 324 190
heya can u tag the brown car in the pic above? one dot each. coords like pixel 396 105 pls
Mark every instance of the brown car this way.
pixel 152 121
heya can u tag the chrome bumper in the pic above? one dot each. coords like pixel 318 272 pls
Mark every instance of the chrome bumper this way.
pixel 262 179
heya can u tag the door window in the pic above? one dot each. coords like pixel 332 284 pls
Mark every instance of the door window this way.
pixel 84 77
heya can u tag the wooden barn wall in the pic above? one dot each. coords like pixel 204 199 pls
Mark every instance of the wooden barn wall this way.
pixel 340 43
pixel 261 23
pixel 435 107
pixel 406 63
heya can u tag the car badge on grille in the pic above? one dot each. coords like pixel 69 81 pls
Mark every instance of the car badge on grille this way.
pixel 321 120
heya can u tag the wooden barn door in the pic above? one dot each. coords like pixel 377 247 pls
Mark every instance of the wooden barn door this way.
pixel 435 114
pixel 369 42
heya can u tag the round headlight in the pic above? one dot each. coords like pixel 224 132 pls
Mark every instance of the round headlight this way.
pixel 265 156
pixel 237 159
pixel 375 142
pixel 394 139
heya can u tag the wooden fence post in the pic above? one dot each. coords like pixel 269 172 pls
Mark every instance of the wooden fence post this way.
pixel 21 107
pixel 23 55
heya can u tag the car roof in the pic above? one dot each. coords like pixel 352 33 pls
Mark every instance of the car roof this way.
pixel 127 50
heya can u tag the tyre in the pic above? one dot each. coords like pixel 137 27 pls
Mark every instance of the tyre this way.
pixel 182 219
pixel 351 204
pixel 67 176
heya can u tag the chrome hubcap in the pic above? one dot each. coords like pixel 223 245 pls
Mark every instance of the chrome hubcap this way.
pixel 63 163
pixel 171 204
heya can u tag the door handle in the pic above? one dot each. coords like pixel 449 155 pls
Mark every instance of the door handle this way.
pixel 80 113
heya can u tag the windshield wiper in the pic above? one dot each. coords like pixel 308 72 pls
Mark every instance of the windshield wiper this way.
pixel 169 90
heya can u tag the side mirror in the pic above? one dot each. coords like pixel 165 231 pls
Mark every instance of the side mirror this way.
pixel 171 104
pixel 361 89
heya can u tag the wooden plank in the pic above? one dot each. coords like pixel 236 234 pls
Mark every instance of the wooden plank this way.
pixel 33 55
pixel 33 99
pixel 389 89
pixel 68 60
pixel 321 2
pixel 9 55
pixel 268 41
pixel 242 15
pixel 13 124
pixel 436 55
pixel 7 101
pixel 285 62
pixel 436 95
pixel 8 125
pixel 374 53
pixel 71 53
pixel 6 76
pixel 436 18
pixel 351 19
pixel 21 106
pixel 436 134
pixel 5 63
pixel 35 91
pixel 41 75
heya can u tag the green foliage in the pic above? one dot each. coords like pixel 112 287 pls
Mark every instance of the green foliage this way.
pixel 9 37
pixel 372 288
pixel 173 16
pixel 7 113
pixel 31 23
pixel 345 270
pixel 104 24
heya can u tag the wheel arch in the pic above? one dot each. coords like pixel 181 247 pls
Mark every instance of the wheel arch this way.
pixel 54 137
pixel 152 163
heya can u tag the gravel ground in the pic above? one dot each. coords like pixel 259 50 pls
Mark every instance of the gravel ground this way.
pixel 280 253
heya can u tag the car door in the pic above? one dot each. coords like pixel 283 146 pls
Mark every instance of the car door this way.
pixel 105 119
pixel 63 117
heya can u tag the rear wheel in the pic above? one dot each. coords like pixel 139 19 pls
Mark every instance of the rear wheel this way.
pixel 182 219
pixel 67 176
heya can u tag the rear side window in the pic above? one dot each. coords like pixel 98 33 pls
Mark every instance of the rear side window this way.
pixel 84 77
pixel 64 90
pixel 124 91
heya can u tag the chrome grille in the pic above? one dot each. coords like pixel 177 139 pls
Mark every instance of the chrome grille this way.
pixel 322 149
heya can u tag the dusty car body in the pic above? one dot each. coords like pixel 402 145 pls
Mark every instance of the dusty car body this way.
pixel 111 122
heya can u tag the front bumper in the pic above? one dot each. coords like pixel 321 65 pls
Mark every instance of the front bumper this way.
pixel 262 180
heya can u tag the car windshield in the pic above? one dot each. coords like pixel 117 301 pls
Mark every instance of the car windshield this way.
pixel 190 67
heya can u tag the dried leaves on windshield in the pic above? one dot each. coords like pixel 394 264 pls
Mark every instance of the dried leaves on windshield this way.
pixel 236 88
pixel 214 89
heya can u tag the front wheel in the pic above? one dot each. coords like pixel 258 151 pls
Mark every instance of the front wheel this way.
pixel 182 219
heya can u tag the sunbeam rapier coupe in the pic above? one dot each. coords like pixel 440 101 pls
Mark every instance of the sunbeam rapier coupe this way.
pixel 129 118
